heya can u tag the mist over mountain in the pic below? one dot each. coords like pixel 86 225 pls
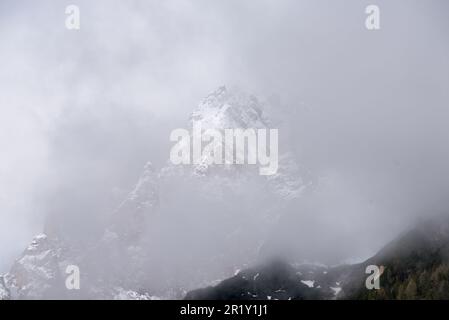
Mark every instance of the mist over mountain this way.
pixel 86 116
pixel 415 266
pixel 224 217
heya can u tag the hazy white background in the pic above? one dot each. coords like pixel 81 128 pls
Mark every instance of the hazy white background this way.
pixel 82 111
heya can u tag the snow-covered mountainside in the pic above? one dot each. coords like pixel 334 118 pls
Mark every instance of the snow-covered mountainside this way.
pixel 4 292
pixel 180 228
pixel 38 272
pixel 226 108
pixel 231 109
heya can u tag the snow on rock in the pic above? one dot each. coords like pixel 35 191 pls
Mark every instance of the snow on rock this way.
pixel 336 290
pixel 4 292
pixel 122 294
pixel 36 271
pixel 308 283
pixel 39 270
pixel 226 108
pixel 233 109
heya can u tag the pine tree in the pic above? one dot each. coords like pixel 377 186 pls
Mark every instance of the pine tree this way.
pixel 443 290
pixel 410 290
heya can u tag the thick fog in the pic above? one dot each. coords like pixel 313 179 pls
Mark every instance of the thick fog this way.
pixel 81 112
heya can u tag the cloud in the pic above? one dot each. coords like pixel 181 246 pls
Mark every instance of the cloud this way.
pixel 82 111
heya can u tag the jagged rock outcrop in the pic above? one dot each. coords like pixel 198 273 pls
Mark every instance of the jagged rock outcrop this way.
pixel 233 109
pixel 4 291
pixel 37 274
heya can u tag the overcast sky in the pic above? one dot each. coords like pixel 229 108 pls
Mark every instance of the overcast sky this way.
pixel 82 111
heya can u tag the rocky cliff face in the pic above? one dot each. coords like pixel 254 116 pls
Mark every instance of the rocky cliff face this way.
pixel 4 291
pixel 232 109
pixel 38 272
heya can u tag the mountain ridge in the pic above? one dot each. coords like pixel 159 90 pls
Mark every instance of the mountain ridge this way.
pixel 416 266
pixel 121 263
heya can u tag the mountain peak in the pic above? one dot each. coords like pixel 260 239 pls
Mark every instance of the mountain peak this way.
pixel 229 108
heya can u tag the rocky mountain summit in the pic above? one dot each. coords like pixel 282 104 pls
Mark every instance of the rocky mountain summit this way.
pixel 224 216
pixel 213 206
